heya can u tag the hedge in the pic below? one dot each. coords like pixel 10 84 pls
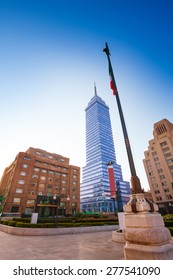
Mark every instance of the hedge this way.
pixel 168 223
pixel 171 230
pixel 54 224
pixel 62 225
pixel 66 220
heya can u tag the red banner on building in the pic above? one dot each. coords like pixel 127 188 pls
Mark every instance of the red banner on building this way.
pixel 112 181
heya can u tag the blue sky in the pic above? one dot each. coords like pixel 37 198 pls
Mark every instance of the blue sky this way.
pixel 51 54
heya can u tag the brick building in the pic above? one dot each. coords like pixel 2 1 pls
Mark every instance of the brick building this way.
pixel 158 165
pixel 30 182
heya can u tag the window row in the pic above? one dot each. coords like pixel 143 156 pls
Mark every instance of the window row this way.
pixel 24 173
pixel 32 201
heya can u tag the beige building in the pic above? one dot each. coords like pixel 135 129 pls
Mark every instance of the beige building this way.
pixel 33 181
pixel 158 165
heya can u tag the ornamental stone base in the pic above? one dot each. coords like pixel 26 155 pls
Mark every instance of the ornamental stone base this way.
pixel 145 235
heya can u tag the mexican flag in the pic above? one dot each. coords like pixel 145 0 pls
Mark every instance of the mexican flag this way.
pixel 112 81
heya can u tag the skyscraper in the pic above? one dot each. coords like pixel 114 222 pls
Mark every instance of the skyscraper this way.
pixel 158 165
pixel 95 190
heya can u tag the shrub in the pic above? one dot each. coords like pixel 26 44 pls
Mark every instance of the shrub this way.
pixel 5 222
pixel 168 223
pixel 12 223
pixel 171 230
pixel 20 224
pixel 23 220
pixel 49 225
pixel 168 217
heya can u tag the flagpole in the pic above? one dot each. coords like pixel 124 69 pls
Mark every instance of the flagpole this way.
pixel 136 185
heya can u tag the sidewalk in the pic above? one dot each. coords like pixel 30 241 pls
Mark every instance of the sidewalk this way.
pixel 83 246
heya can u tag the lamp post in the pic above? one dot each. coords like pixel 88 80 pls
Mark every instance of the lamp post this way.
pixel 56 198
pixel 104 197
pixel 0 210
pixel 1 205
pixel 114 198
pixel 68 200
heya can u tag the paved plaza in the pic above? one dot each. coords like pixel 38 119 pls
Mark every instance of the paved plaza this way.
pixel 83 246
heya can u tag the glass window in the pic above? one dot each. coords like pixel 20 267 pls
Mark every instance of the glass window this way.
pixel 167 155
pixel 41 185
pixel 165 149
pixel 64 175
pixel 25 165
pixel 34 176
pixel 22 173
pixel 44 170
pixel 33 184
pixel 38 162
pixel 16 200
pixel 36 169
pixel 26 158
pixel 51 172
pixel 170 160
pixel 32 192
pixel 30 201
pixel 19 190
pixel 43 178
pixel 40 193
pixel 58 173
pixel 163 144
pixel 63 188
pixel 29 211
pixel 62 204
pixel 21 182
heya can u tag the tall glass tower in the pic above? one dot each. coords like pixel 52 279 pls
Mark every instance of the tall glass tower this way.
pixel 95 189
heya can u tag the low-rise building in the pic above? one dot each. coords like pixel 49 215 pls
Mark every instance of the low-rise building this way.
pixel 34 181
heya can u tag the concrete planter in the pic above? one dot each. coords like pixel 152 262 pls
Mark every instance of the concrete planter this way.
pixel 54 231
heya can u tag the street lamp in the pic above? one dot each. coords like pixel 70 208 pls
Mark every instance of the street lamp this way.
pixel 104 197
pixel 114 198
pixel 56 198
pixel 0 210
pixel 68 200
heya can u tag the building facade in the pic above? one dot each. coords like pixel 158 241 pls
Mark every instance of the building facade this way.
pixel 95 187
pixel 33 181
pixel 158 165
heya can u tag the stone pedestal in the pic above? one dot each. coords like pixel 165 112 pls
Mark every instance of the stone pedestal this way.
pixel 145 235
pixel 118 236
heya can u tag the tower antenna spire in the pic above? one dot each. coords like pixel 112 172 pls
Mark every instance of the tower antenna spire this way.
pixel 95 89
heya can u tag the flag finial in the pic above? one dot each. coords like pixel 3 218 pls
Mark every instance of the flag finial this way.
pixel 106 50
